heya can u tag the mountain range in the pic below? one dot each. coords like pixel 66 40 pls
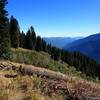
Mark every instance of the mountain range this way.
pixel 89 46
pixel 60 42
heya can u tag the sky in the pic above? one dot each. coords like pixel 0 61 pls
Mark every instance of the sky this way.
pixel 57 18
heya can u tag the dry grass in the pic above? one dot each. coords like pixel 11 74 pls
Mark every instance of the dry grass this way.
pixel 44 84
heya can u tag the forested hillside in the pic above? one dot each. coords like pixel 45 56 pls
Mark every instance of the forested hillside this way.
pixel 31 69
pixel 33 42
pixel 12 37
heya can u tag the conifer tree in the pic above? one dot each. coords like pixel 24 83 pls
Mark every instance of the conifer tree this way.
pixel 22 40
pixel 29 43
pixel 33 37
pixel 4 31
pixel 44 46
pixel 55 53
pixel 38 44
pixel 49 48
pixel 14 32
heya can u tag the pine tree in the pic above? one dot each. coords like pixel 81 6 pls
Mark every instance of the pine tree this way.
pixel 49 48
pixel 4 31
pixel 22 40
pixel 38 44
pixel 44 46
pixel 33 37
pixel 55 53
pixel 14 32
pixel 29 43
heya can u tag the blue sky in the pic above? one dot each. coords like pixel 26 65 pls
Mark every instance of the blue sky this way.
pixel 55 18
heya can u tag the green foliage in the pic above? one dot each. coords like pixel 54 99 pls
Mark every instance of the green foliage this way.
pixel 33 37
pixel 38 44
pixel 41 59
pixel 81 62
pixel 55 53
pixel 30 39
pixel 44 46
pixel 14 32
pixel 44 60
pixel 29 44
pixel 4 32
pixel 22 40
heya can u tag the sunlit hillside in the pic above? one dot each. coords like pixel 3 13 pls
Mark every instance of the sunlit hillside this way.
pixel 34 66
pixel 26 82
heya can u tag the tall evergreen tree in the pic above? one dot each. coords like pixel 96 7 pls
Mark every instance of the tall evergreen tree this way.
pixel 4 31
pixel 49 48
pixel 55 53
pixel 38 44
pixel 44 46
pixel 14 32
pixel 29 43
pixel 22 40
pixel 33 37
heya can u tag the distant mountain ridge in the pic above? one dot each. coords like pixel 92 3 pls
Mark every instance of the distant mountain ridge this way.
pixel 60 42
pixel 89 46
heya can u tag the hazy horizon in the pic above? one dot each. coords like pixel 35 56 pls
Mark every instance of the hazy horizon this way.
pixel 57 18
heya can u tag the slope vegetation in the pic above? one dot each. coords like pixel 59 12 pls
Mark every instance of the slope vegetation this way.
pixel 26 82
pixel 31 75
pixel 43 60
